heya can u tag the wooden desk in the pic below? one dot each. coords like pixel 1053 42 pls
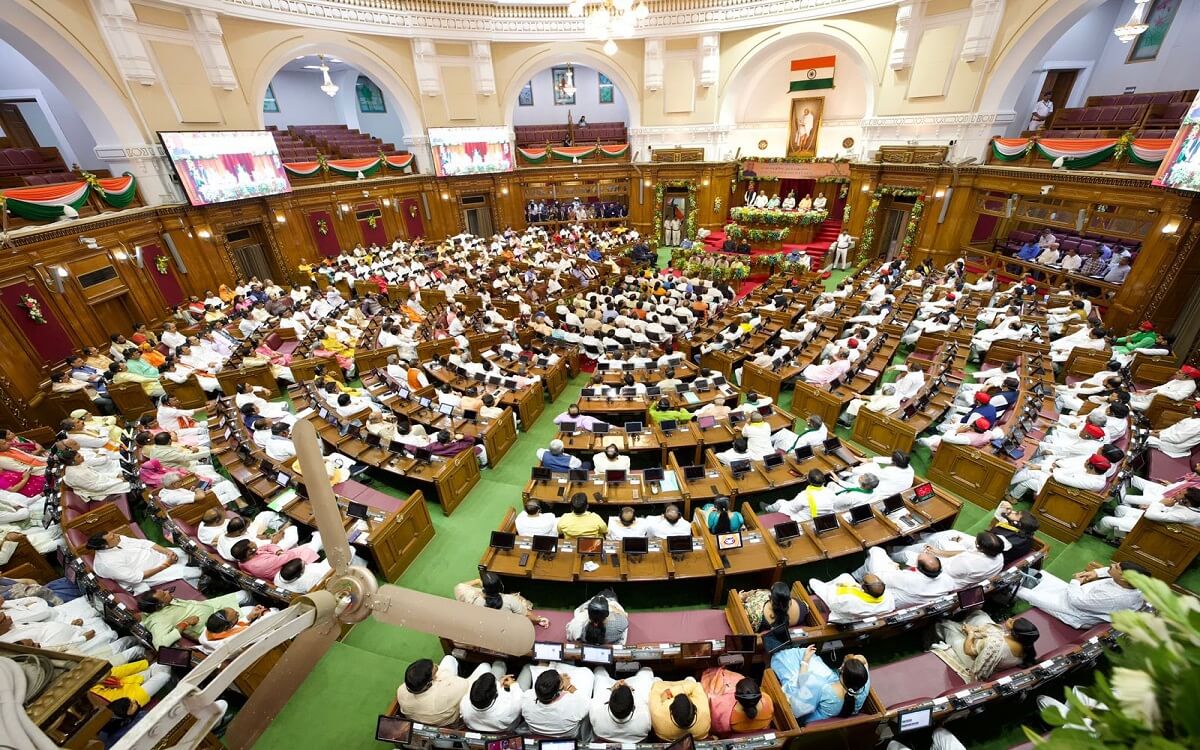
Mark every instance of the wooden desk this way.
pixel 1165 549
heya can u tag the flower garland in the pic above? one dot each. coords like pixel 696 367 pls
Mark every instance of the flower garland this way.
pixel 161 264
pixel 692 211
pixel 372 221
pixel 33 309
pixel 322 226
pixel 1123 143
pixel 914 223
pixel 784 160
pixel 776 218
pixel 737 232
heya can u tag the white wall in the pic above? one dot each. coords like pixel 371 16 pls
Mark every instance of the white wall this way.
pixel 1091 47
pixel 1176 66
pixel 587 102
pixel 301 102
pixel 59 125
pixel 762 103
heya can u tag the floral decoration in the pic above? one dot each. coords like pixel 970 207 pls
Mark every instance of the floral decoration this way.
pixel 322 226
pixel 737 232
pixel 161 264
pixel 776 218
pixel 1123 143
pixel 914 219
pixel 372 221
pixel 32 308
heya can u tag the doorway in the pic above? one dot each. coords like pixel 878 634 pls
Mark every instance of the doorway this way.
pixel 477 215
pixel 14 125
pixel 891 234
pixel 247 250
pixel 1060 84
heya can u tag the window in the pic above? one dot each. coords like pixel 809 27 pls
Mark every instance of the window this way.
pixel 370 98
pixel 606 89
pixel 270 103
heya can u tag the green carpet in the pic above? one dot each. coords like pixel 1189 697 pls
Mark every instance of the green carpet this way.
pixel 337 705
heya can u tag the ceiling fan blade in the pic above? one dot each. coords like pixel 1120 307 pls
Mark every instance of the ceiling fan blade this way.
pixel 280 683
pixel 493 629
pixel 320 494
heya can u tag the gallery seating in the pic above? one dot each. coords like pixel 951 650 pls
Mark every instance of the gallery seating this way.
pixel 540 135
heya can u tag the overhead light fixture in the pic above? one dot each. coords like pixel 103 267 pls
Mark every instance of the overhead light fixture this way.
pixel 203 234
pixel 567 85
pixel 609 19
pixel 120 255
pixel 328 86
pixel 1136 25
pixel 62 272
pixel 281 218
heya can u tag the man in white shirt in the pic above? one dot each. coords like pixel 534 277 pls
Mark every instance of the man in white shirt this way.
pixel 1181 385
pixel 850 601
pixel 894 473
pixel 814 500
pixel 300 577
pixel 841 249
pixel 1081 472
pixel 533 521
pixel 560 700
pixel 280 446
pixel 493 700
pixel 610 459
pixel 136 564
pixel 1178 440
pixel 909 587
pixel 1177 508
pixel 1090 598
pixel 1041 112
pixel 620 711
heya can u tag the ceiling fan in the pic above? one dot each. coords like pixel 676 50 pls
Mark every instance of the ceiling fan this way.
pixel 313 624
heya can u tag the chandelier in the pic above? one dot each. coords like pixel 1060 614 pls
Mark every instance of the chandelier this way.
pixel 1136 25
pixel 328 86
pixel 609 19
pixel 567 85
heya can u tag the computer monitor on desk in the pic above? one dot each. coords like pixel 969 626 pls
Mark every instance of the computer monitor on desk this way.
pixel 679 544
pixel 577 475
pixel 614 476
pixel 693 473
pixel 635 545
pixel 545 545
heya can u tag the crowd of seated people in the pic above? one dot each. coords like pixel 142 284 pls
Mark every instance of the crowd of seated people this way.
pixel 573 211
pixel 1106 259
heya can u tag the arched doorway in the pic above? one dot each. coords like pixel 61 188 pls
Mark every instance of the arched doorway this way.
pixel 299 97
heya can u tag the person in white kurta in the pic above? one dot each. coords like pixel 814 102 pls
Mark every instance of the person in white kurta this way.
pixel 910 587
pixel 1089 599
pixel 1081 472
pixel 758 437
pixel 630 729
pixel 610 459
pixel 884 402
pixel 1178 440
pixel 500 707
pixel 894 473
pixel 1178 388
pixel 136 564
pixel 88 483
pixel 1178 508
pixel 849 601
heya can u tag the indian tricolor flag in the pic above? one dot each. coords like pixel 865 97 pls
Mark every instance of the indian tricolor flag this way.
pixel 812 73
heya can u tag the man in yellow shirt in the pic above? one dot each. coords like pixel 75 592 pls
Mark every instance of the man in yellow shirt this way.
pixel 663 411
pixel 679 708
pixel 581 521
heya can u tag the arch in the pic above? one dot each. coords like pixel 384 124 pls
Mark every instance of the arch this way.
pixel 384 76
pixel 98 99
pixel 553 55
pixel 778 41
pixel 1027 49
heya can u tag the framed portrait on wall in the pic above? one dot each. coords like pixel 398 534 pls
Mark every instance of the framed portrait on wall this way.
pixel 525 98
pixel 370 98
pixel 1158 20
pixel 606 89
pixel 804 125
pixel 561 78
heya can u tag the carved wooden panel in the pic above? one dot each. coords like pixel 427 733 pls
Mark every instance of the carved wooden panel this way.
pixel 1165 549
pixel 676 154
pixel 912 154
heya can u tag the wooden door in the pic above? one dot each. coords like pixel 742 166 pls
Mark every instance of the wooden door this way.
pixel 15 128
pixel 1060 83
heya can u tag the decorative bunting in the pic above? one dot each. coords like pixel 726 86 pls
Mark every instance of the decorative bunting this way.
pixel 1149 152
pixel 1009 149
pixel 571 153
pixel 349 167
pixel 46 202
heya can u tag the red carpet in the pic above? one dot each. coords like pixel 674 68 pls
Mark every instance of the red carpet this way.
pixel 825 235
